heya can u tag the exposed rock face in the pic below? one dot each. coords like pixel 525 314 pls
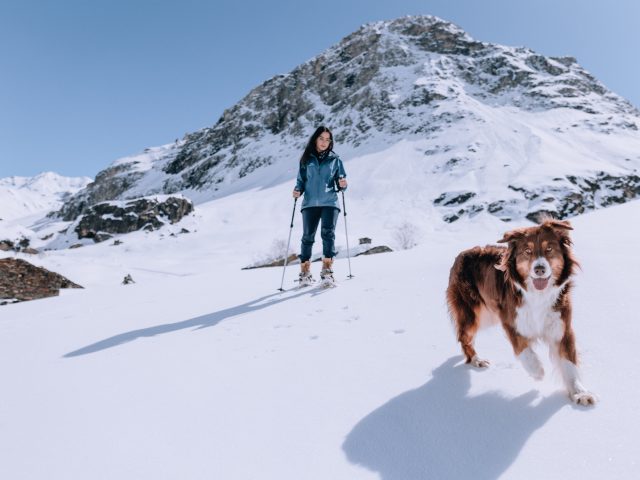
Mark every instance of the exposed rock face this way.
pixel 20 245
pixel 119 181
pixel 374 250
pixel 565 197
pixel 103 219
pixel 293 258
pixel 109 184
pixel 23 281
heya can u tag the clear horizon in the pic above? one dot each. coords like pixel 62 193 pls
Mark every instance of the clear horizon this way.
pixel 87 83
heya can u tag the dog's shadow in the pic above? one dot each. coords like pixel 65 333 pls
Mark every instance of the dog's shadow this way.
pixel 439 431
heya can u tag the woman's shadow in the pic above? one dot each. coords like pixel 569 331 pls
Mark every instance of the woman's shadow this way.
pixel 439 431
pixel 204 321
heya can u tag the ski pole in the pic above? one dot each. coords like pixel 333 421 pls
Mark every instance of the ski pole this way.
pixel 286 253
pixel 344 209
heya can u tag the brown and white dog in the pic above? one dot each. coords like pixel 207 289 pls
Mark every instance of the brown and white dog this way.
pixel 526 287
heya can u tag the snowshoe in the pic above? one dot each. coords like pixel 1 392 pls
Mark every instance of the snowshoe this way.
pixel 305 279
pixel 326 278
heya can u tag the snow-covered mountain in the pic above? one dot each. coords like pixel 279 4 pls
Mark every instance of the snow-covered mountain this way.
pixel 26 196
pixel 25 203
pixel 469 126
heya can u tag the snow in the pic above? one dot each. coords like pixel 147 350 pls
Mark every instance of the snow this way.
pixel 22 196
pixel 203 370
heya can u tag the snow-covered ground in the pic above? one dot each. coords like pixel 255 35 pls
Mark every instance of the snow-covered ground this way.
pixel 203 370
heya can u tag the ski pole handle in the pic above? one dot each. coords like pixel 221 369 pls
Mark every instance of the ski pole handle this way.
pixel 295 201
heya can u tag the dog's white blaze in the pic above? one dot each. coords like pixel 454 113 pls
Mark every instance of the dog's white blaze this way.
pixel 553 328
pixel 535 317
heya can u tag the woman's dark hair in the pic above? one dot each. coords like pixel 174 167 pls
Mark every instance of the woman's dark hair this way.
pixel 311 145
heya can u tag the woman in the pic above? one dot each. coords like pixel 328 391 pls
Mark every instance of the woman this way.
pixel 320 176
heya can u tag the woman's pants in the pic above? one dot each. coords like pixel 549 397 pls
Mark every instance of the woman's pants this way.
pixel 311 216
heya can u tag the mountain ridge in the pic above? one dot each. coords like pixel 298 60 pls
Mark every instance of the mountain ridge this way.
pixel 418 79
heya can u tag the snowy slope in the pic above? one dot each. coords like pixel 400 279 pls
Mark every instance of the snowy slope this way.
pixel 203 370
pixel 24 196
pixel 25 202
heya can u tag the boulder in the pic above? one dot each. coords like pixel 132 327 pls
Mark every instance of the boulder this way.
pixel 274 263
pixel 374 250
pixel 20 280
pixel 100 221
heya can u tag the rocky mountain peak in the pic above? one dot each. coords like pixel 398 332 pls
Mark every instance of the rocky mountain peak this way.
pixel 413 78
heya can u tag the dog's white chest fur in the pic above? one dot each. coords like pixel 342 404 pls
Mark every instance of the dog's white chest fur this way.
pixel 535 318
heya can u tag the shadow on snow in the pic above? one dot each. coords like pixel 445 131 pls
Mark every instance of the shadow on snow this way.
pixel 204 321
pixel 439 431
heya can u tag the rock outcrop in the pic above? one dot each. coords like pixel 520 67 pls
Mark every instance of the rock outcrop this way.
pixel 101 221
pixel 20 280
pixel 374 250
pixel 293 259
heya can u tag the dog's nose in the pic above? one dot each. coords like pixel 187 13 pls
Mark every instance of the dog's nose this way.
pixel 539 270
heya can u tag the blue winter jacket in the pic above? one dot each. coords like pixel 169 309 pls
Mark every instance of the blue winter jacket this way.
pixel 318 181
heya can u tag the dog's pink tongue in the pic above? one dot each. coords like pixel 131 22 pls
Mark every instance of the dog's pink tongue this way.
pixel 540 283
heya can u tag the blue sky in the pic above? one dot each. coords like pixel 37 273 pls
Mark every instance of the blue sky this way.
pixel 84 82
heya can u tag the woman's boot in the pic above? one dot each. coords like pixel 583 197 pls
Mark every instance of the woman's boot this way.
pixel 305 277
pixel 326 275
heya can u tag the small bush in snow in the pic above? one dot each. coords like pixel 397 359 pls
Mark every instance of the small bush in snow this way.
pixel 275 252
pixel 406 236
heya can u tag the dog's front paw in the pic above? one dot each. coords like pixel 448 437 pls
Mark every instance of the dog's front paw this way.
pixel 479 363
pixel 584 398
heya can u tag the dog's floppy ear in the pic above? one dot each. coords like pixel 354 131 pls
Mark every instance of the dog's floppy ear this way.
pixel 506 256
pixel 561 228
pixel 512 235
pixel 561 224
